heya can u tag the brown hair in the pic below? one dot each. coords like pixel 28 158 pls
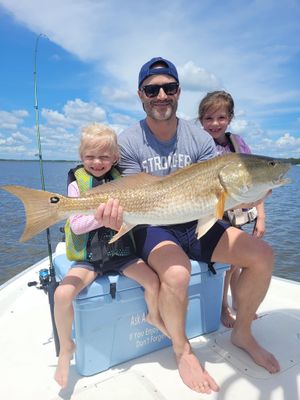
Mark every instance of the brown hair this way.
pixel 215 100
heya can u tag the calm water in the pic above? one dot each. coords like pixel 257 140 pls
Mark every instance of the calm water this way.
pixel 282 208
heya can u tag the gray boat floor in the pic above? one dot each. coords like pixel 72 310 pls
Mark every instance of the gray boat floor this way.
pixel 28 360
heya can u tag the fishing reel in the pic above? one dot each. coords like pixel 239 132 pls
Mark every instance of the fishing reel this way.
pixel 44 280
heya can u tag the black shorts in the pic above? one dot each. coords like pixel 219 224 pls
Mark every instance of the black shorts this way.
pixel 146 238
pixel 116 264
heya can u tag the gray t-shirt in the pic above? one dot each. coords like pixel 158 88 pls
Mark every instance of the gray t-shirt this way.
pixel 142 151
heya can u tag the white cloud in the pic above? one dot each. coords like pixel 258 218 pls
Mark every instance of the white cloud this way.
pixel 266 142
pixel 75 113
pixel 14 139
pixel 18 151
pixel 121 119
pixel 79 111
pixel 213 47
pixel 19 137
pixel 227 49
pixel 288 140
pixel 54 117
pixel 11 120
pixel 118 95
pixel 195 78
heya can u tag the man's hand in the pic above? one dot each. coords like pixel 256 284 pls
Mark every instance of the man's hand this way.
pixel 110 214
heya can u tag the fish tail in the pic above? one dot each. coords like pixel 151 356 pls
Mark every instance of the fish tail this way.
pixel 40 209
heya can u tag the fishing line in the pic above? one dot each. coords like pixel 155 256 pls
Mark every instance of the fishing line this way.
pixel 49 283
pixel 37 126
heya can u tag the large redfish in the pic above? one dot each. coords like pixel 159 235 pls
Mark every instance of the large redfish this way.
pixel 201 191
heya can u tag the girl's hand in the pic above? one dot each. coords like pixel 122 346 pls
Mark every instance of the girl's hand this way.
pixel 259 228
pixel 110 214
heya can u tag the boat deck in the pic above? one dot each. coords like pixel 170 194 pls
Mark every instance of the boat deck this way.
pixel 28 359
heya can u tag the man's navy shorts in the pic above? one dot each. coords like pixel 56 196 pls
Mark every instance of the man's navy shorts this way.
pixel 147 237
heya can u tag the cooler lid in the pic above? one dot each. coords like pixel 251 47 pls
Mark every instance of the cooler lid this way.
pixel 120 282
pixel 100 287
pixel 202 268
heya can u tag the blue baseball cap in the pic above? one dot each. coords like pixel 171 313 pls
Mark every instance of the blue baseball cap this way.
pixel 148 70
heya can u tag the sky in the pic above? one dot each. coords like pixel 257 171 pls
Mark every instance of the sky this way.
pixel 87 55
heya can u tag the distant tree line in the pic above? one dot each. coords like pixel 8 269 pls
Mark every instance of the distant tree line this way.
pixel 294 160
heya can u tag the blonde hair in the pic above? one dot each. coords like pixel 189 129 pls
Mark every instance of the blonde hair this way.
pixel 215 100
pixel 98 136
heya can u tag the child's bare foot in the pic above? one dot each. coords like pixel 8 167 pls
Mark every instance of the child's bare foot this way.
pixel 158 323
pixel 193 375
pixel 63 365
pixel 227 318
pixel 153 317
pixel 260 355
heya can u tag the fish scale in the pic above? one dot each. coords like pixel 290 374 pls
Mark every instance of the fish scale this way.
pixel 201 191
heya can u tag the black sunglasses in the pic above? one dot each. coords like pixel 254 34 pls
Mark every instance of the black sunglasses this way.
pixel 169 88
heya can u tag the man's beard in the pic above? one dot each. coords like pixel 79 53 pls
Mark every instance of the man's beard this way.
pixel 154 113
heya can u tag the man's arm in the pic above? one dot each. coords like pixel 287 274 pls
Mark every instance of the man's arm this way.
pixel 209 149
pixel 129 163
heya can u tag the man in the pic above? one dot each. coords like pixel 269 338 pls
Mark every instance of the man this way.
pixel 160 144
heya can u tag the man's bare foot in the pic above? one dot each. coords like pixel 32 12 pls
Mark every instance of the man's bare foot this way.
pixel 260 355
pixel 192 374
pixel 227 318
pixel 158 323
pixel 63 365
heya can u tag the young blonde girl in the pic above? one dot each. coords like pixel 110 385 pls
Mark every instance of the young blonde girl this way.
pixel 215 113
pixel 87 244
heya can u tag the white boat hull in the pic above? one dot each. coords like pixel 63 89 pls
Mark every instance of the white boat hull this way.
pixel 28 359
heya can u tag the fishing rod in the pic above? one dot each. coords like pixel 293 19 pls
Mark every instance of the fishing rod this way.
pixel 47 278
pixel 37 126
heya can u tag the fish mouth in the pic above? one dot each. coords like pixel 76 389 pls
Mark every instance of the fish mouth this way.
pixel 281 181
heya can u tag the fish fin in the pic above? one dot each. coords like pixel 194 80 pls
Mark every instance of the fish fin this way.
pixel 220 206
pixel 228 174
pixel 40 211
pixel 204 225
pixel 127 182
pixel 124 229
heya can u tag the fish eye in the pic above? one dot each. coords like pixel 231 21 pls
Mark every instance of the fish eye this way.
pixel 54 199
pixel 272 163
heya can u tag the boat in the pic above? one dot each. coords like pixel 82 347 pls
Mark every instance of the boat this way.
pixel 28 358
pixel 28 345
